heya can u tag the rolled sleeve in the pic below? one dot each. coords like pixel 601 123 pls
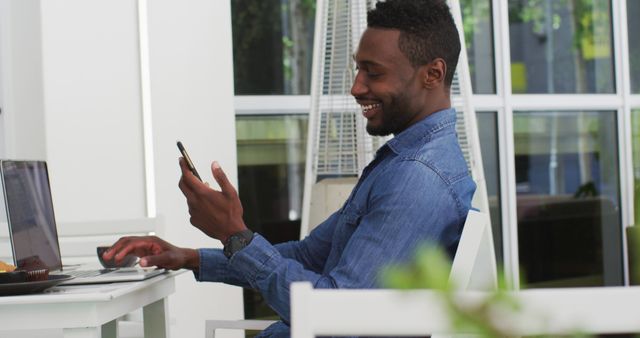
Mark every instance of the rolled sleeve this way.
pixel 255 261
pixel 214 267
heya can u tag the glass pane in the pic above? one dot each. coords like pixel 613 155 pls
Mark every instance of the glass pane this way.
pixel 488 129
pixel 635 143
pixel 633 12
pixel 271 164
pixel 478 34
pixel 561 46
pixel 633 232
pixel 272 46
pixel 568 198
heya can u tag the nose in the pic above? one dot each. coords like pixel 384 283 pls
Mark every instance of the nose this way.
pixel 359 88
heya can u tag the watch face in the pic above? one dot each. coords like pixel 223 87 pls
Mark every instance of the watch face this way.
pixel 237 242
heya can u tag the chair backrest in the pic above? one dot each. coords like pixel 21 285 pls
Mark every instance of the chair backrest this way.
pixel 549 311
pixel 474 265
pixel 393 312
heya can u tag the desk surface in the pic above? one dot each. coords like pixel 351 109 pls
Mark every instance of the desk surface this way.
pixel 85 293
pixel 82 306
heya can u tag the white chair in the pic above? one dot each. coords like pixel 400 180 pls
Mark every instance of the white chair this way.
pixel 560 311
pixel 392 312
pixel 473 268
pixel 474 265
pixel 242 324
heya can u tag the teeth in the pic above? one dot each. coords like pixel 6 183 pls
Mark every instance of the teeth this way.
pixel 366 108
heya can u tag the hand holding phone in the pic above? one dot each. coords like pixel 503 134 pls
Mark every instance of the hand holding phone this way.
pixel 188 160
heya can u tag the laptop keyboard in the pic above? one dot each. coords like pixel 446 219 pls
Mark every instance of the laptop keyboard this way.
pixel 88 273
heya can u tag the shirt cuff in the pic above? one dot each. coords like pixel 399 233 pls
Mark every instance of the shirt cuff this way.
pixel 255 261
pixel 244 268
pixel 213 266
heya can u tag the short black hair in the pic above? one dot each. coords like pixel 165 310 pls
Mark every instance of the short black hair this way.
pixel 427 30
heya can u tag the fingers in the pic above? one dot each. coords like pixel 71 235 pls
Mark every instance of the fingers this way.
pixel 189 184
pixel 116 247
pixel 221 178
pixel 138 246
pixel 152 250
pixel 188 181
pixel 187 175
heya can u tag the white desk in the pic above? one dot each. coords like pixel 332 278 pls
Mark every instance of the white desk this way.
pixel 91 310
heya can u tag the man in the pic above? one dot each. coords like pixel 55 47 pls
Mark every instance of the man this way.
pixel 416 189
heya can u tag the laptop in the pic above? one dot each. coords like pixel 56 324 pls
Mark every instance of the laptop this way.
pixel 32 226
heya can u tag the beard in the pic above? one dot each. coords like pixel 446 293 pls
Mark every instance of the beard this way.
pixel 396 116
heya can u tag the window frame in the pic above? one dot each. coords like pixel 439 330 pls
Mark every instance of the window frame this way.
pixel 504 102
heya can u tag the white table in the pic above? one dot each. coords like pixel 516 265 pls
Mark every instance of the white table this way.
pixel 91 310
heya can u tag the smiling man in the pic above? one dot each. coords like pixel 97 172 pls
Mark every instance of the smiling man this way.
pixel 417 189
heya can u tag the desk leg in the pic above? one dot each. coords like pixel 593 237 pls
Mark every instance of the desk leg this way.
pixel 155 321
pixel 110 329
pixel 82 332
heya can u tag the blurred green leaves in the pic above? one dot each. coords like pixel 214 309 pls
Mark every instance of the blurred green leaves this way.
pixel 482 314
pixel 430 270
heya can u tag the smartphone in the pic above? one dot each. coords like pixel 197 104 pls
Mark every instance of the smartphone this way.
pixel 188 159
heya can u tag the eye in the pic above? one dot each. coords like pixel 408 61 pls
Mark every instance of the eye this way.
pixel 373 75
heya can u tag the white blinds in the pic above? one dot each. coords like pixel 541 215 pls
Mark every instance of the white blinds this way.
pixel 341 146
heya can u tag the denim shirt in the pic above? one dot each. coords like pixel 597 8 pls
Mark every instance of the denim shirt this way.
pixel 417 189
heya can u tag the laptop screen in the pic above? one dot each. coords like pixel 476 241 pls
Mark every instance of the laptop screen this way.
pixel 32 224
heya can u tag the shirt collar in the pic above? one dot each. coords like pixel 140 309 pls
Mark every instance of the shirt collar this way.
pixel 411 136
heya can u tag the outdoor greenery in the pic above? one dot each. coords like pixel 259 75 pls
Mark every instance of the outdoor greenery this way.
pixel 586 24
pixel 272 46
pixel 430 270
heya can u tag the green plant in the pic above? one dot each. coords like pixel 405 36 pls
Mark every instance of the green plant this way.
pixel 430 270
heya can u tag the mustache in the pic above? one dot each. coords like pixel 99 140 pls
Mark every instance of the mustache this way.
pixel 365 98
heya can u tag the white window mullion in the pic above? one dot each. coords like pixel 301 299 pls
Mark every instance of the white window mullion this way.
pixel 147 122
pixel 505 143
pixel 623 85
pixel 7 131
pixel 566 102
pixel 272 104
pixel 487 102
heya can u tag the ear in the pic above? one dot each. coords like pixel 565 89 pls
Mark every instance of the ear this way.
pixel 433 73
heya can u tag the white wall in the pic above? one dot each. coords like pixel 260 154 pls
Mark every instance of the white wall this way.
pixel 3 47
pixel 192 100
pixel 93 108
pixel 73 97
pixel 21 56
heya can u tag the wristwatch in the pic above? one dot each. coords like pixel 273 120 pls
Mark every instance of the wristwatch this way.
pixel 237 242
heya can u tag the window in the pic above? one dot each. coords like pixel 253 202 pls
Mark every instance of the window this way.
pixel 568 198
pixel 488 133
pixel 271 158
pixel 478 34
pixel 561 46
pixel 272 46
pixel 633 11
pixel 569 213
pixel 635 142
